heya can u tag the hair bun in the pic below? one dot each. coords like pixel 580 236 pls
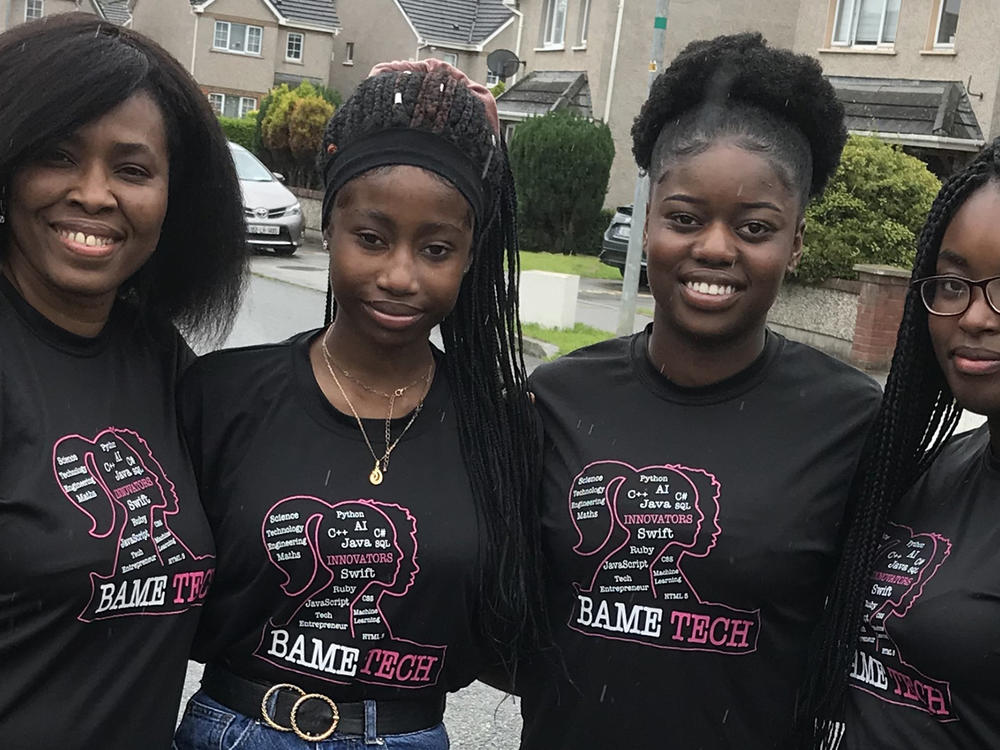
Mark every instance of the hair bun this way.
pixel 743 68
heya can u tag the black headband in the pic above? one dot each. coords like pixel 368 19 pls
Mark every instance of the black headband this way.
pixel 410 146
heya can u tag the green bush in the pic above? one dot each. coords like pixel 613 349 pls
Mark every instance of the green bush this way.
pixel 561 166
pixel 292 122
pixel 239 131
pixel 872 212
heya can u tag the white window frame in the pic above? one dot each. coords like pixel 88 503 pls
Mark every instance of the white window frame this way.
pixel 38 5
pixel 853 8
pixel 244 104
pixel 492 79
pixel 289 57
pixel 581 36
pixel 937 26
pixel 553 35
pixel 451 58
pixel 248 36
pixel 247 104
pixel 218 102
pixel 349 53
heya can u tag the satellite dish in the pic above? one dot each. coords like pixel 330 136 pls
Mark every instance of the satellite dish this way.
pixel 502 63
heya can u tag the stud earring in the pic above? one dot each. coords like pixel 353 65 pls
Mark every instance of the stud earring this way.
pixel 326 245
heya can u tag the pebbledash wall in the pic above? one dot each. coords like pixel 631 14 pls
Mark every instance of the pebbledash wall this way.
pixel 822 316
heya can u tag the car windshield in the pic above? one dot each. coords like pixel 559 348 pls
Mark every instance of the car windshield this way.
pixel 249 168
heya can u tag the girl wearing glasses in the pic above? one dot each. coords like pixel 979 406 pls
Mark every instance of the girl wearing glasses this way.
pixel 911 647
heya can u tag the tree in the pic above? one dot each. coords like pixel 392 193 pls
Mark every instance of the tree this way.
pixel 872 212
pixel 291 129
pixel 561 164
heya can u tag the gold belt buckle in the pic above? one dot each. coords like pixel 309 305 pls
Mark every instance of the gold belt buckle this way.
pixel 334 721
pixel 303 697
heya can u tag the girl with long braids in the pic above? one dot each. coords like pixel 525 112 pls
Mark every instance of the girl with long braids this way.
pixel 911 647
pixel 696 473
pixel 369 493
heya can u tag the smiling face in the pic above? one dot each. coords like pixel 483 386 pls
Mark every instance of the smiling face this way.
pixel 968 345
pixel 722 229
pixel 400 243
pixel 86 214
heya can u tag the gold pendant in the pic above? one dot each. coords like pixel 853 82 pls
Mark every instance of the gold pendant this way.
pixel 376 476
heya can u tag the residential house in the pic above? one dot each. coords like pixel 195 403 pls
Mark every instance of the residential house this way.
pixel 238 50
pixel 13 12
pixel 921 73
pixel 461 32
pixel 611 42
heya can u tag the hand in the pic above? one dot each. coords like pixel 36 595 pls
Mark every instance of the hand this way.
pixel 427 66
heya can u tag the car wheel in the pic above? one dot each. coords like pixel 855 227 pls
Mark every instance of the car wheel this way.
pixel 285 250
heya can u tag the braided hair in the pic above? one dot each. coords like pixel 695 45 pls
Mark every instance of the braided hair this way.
pixel 768 100
pixel 918 414
pixel 482 337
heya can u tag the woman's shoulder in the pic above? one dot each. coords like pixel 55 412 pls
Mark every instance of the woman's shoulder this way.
pixel 806 363
pixel 241 370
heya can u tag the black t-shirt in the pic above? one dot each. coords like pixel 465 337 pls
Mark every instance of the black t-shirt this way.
pixel 105 553
pixel 326 581
pixel 690 534
pixel 925 673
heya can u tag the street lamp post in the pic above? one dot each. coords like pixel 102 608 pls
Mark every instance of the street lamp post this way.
pixel 630 282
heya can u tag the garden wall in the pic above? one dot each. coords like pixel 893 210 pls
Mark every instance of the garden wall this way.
pixel 822 316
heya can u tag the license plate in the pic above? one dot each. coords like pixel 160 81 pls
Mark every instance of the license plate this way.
pixel 263 229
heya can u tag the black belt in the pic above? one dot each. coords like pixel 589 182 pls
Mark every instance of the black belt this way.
pixel 314 716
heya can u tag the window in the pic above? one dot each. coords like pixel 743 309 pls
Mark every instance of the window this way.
pixel 293 49
pixel 865 22
pixel 492 79
pixel 947 23
pixel 237 37
pixel 34 9
pixel 581 37
pixel 230 105
pixel 218 102
pixel 450 57
pixel 247 104
pixel 349 54
pixel 554 23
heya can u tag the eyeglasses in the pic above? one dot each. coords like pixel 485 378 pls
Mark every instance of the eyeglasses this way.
pixel 952 295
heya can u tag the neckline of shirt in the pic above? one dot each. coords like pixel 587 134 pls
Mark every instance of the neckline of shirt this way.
pixel 315 403
pixel 52 334
pixel 724 390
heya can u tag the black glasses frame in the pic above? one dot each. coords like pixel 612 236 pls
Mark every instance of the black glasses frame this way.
pixel 981 283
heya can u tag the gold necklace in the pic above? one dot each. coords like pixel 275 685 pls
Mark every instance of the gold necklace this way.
pixel 381 464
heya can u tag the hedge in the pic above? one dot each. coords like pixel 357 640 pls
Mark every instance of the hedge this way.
pixel 872 212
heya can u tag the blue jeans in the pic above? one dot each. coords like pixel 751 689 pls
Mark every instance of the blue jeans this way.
pixel 208 725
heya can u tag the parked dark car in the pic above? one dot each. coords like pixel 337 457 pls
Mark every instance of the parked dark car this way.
pixel 614 246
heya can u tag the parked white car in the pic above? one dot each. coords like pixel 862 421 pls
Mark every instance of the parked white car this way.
pixel 273 214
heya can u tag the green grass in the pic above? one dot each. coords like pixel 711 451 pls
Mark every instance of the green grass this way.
pixel 581 265
pixel 567 339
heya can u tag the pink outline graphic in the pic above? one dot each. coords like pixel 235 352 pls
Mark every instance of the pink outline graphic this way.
pixel 332 556
pixel 127 496
pixel 643 522
pixel 898 585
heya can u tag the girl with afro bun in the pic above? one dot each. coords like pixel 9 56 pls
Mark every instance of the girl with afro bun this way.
pixel 910 649
pixel 371 494
pixel 696 473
